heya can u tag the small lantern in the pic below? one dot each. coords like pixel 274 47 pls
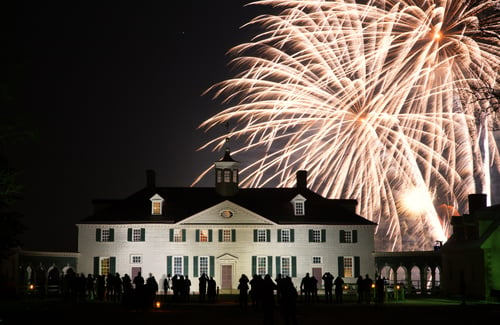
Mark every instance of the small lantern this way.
pixel 157 304
pixel 31 287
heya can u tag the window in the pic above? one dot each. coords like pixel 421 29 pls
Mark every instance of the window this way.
pixel 299 205
pixel 261 235
pixel 135 259
pixel 226 235
pixel 299 208
pixel 348 236
pixel 261 265
pixel 105 266
pixel 177 264
pixel 227 176
pixel 317 260
pixel 136 234
pixel 286 235
pixel 286 264
pixel 156 208
pixel 348 266
pixel 203 235
pixel 203 264
pixel 104 235
pixel 317 235
pixel 177 235
pixel 235 176
pixel 156 204
pixel 219 175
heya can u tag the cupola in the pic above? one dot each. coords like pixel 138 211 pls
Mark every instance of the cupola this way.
pixel 226 174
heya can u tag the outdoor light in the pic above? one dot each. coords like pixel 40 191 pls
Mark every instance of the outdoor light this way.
pixel 373 285
pixel 397 287
pixel 157 304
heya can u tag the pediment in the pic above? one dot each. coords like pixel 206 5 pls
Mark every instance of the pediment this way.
pixel 226 213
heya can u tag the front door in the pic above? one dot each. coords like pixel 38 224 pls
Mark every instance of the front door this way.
pixel 317 273
pixel 226 276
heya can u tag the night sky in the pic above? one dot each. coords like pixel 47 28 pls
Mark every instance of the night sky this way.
pixel 111 89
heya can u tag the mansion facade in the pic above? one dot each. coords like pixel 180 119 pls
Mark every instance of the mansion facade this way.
pixel 226 231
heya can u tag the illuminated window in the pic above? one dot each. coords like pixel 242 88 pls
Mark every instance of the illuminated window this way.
pixel 317 260
pixel 219 175
pixel 177 264
pixel 136 259
pixel 348 266
pixel 235 176
pixel 227 176
pixel 226 235
pixel 105 265
pixel 203 264
pixel 156 204
pixel 286 264
pixel 261 265
pixel 203 235
pixel 177 235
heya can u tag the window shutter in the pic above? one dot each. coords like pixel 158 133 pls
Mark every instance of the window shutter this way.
pixel 254 265
pixel 197 235
pixel 129 234
pixel 255 235
pixel 233 235
pixel 186 265
pixel 278 265
pixel 292 235
pixel 341 266
pixel 195 266
pixel 96 265
pixel 220 235
pixel 183 234
pixel 169 265
pixel 268 235
pixel 310 235
pixel 342 236
pixel 279 237
pixel 171 234
pixel 212 266
pixel 111 234
pixel 270 265
pixel 98 234
pixel 294 266
pixel 354 236
pixel 143 234
pixel 112 265
pixel 323 235
pixel 210 235
pixel 356 266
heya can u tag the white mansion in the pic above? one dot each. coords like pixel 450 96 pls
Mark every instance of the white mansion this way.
pixel 226 231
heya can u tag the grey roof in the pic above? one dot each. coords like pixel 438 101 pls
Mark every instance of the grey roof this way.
pixel 182 202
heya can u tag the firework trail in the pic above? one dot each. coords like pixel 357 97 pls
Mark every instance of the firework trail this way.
pixel 373 98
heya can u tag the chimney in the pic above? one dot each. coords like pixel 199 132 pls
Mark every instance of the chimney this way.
pixel 301 179
pixel 476 202
pixel 150 178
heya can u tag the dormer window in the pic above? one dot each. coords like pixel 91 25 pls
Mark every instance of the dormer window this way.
pixel 299 207
pixel 156 205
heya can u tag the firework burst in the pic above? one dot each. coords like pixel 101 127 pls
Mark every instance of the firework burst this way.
pixel 373 98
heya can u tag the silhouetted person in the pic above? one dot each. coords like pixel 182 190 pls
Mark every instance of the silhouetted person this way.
pixel 360 289
pixel 367 288
pixel 328 282
pixel 268 304
pixel 187 288
pixel 211 290
pixel 305 287
pixel 127 299
pixel 380 290
pixel 202 286
pixel 255 295
pixel 314 289
pixel 288 301
pixel 166 286
pixel 151 289
pixel 243 289
pixel 339 289
pixel 90 287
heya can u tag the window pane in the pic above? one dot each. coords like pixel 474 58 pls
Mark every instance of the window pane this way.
pixel 316 259
pixel 261 235
pixel 316 236
pixel 227 176
pixel 105 266
pixel 226 235
pixel 285 235
pixel 286 263
pixel 348 266
pixel 177 235
pixel 348 236
pixel 203 235
pixel 203 264
pixel 136 234
pixel 299 208
pixel 177 261
pixel 105 235
pixel 156 207
pixel 261 265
